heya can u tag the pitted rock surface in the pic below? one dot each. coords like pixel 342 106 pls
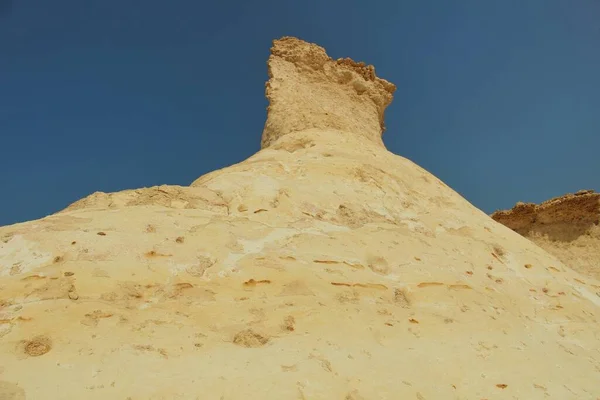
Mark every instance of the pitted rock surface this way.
pixel 322 267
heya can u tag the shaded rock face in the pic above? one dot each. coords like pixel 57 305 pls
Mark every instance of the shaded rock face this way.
pixel 566 226
pixel 322 267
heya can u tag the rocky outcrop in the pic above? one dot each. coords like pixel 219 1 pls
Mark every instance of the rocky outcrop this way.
pixel 566 226
pixel 309 90
pixel 322 267
pixel 580 209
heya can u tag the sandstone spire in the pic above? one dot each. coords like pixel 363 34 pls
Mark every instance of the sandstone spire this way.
pixel 307 89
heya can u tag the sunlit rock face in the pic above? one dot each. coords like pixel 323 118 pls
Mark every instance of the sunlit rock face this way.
pixel 322 267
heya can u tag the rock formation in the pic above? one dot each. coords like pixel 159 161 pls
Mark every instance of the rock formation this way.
pixel 566 226
pixel 322 267
pixel 309 90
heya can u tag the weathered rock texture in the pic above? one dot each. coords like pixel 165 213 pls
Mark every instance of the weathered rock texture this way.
pixel 309 90
pixel 322 267
pixel 566 226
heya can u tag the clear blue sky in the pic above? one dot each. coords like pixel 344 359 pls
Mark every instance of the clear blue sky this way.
pixel 499 99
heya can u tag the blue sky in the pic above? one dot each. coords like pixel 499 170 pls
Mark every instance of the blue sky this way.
pixel 499 99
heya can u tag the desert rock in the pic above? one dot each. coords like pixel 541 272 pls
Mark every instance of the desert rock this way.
pixel 322 267
pixel 565 226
